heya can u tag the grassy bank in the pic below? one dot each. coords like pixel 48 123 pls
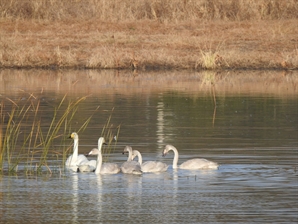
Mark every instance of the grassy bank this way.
pixel 145 34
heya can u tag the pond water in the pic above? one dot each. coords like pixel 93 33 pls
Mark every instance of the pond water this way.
pixel 245 121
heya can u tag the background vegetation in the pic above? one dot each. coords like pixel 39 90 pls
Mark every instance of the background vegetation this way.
pixel 163 10
pixel 144 34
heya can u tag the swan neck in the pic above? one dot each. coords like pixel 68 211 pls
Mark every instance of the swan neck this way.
pixel 176 157
pixel 98 163
pixel 140 158
pixel 75 150
pixel 99 156
pixel 129 155
pixel 100 143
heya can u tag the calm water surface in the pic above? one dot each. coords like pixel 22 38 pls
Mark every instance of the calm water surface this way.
pixel 252 134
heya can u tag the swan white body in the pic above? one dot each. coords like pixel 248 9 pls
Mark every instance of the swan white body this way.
pixel 130 166
pixel 103 168
pixel 149 166
pixel 90 167
pixel 76 160
pixel 192 164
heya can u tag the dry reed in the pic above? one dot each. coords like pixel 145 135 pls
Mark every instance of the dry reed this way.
pixel 149 34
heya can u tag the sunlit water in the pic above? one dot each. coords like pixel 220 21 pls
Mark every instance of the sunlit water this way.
pixel 252 136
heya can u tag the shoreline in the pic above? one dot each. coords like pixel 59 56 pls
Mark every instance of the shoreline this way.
pixel 281 84
pixel 149 45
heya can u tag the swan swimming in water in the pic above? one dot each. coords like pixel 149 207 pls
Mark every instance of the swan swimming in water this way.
pixel 149 166
pixel 192 164
pixel 103 168
pixel 75 160
pixel 130 166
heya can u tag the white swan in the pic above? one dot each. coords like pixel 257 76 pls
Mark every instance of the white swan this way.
pixel 149 166
pixel 87 166
pixel 192 164
pixel 130 166
pixel 75 160
pixel 106 168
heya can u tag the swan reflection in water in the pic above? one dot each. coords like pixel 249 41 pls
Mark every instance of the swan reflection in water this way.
pixel 75 198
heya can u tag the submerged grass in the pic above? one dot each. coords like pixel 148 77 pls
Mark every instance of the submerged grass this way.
pixel 24 140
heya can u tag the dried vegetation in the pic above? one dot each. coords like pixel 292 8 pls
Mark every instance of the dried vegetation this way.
pixel 149 34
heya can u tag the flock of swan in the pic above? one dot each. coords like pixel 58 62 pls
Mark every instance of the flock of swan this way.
pixel 80 162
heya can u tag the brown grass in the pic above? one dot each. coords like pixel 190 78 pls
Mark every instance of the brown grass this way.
pixel 216 34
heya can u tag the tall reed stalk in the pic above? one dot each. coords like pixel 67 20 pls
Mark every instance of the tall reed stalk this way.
pixel 110 136
pixel 21 129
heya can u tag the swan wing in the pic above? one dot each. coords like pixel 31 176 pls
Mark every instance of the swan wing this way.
pixel 87 166
pixel 162 166
pixel 131 167
pixel 82 159
pixel 195 164
pixel 154 166
pixel 109 168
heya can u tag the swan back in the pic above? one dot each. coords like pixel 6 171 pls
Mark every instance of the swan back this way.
pixel 149 166
pixel 109 168
pixel 196 164
pixel 131 167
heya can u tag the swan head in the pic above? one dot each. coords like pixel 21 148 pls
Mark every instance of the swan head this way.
pixel 127 149
pixel 102 140
pixel 167 149
pixel 74 135
pixel 94 151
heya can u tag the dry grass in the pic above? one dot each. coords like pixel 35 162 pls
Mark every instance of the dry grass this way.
pixel 147 34
pixel 163 10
